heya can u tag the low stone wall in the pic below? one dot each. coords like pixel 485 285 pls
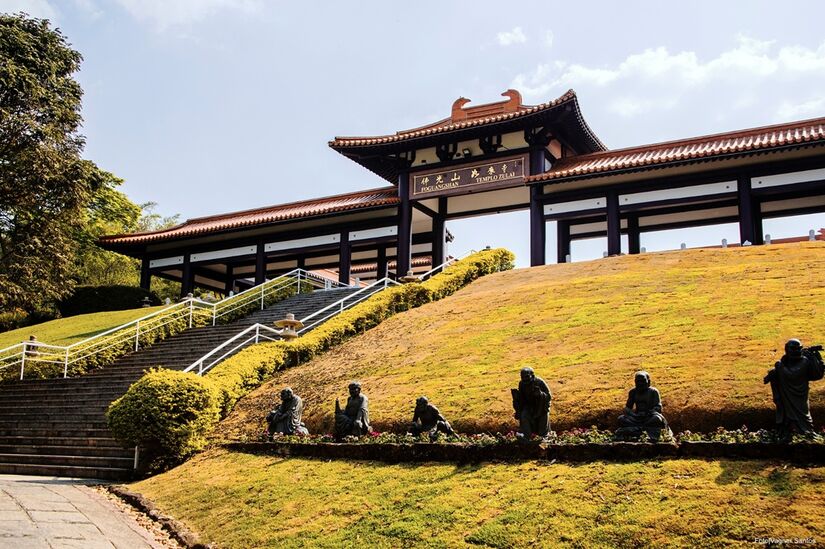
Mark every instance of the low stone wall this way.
pixel 467 453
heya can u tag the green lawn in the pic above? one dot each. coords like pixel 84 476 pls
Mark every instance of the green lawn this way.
pixel 238 500
pixel 706 324
pixel 64 331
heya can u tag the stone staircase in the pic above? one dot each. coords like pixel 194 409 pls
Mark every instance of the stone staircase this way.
pixel 57 427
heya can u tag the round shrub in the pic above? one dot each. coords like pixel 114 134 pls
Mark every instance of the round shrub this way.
pixel 167 414
pixel 94 299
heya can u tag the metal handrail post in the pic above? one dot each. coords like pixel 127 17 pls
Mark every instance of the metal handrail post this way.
pixel 299 283
pixel 262 295
pixel 214 313
pixel 66 364
pixel 137 334
pixel 257 333
pixel 191 310
pixel 23 360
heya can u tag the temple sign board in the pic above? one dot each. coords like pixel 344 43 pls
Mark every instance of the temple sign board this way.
pixel 484 176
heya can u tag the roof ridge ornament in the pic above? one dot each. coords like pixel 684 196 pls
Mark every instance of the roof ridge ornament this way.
pixel 459 113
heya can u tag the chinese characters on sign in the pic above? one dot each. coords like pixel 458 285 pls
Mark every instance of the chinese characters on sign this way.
pixel 489 175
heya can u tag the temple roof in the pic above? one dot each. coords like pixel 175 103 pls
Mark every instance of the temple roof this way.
pixel 738 143
pixel 387 196
pixel 466 123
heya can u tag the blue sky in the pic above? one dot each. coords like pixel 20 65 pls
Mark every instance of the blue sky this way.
pixel 209 106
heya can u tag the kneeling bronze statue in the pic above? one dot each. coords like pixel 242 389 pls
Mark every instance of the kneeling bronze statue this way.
pixel 354 419
pixel 643 413
pixel 790 380
pixel 531 403
pixel 427 419
pixel 285 419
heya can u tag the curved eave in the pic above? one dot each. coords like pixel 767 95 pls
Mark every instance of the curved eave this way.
pixel 549 179
pixel 565 117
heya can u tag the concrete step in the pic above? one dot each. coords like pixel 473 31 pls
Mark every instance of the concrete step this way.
pixel 75 450
pixel 82 461
pixel 83 442
pixel 105 473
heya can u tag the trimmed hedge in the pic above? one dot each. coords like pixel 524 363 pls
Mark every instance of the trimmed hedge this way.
pixel 95 299
pixel 240 374
pixel 167 414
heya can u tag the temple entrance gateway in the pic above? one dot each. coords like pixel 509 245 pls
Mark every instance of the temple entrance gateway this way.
pixel 498 157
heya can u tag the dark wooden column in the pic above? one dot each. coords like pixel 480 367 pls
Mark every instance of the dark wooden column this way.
pixel 614 227
pixel 382 262
pixel 145 274
pixel 302 263
pixel 634 236
pixel 750 214
pixel 562 240
pixel 230 280
pixel 187 284
pixel 439 233
pixel 404 249
pixel 344 259
pixel 538 227
pixel 260 264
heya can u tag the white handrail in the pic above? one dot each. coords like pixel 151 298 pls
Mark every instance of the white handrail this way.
pixel 184 310
pixel 336 308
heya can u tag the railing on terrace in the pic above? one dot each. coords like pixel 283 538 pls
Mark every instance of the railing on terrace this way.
pixel 103 348
pixel 255 333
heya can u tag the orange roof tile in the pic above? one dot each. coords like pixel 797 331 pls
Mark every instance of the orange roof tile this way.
pixel 461 118
pixel 754 140
pixel 307 208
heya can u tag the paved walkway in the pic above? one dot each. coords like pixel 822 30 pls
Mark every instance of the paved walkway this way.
pixel 60 512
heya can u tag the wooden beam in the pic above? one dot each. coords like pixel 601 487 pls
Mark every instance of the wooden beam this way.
pixel 634 237
pixel 538 227
pixel 344 259
pixel 187 284
pixel 562 240
pixel 260 264
pixel 404 224
pixel 145 274
pixel 614 226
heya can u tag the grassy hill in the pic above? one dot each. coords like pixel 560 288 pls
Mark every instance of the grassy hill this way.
pixel 238 500
pixel 65 331
pixel 706 324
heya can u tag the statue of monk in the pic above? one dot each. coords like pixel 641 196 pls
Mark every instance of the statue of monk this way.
pixel 285 419
pixel 354 419
pixel 531 402
pixel 790 379
pixel 427 419
pixel 643 412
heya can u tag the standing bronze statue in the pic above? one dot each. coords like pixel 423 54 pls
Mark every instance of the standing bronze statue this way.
pixel 531 402
pixel 643 412
pixel 427 419
pixel 285 419
pixel 790 380
pixel 354 419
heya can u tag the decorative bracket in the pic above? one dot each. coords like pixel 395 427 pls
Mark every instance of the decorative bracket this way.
pixel 446 152
pixel 490 143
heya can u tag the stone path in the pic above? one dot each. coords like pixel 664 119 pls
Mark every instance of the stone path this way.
pixel 60 512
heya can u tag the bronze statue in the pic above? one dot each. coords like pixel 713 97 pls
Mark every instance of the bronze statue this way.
pixel 354 419
pixel 427 419
pixel 531 402
pixel 790 379
pixel 285 419
pixel 643 412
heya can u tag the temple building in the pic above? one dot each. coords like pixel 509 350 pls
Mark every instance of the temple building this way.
pixel 492 158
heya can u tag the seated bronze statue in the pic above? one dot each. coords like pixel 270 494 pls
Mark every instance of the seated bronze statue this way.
pixel 427 419
pixel 790 380
pixel 354 419
pixel 643 413
pixel 285 419
pixel 531 402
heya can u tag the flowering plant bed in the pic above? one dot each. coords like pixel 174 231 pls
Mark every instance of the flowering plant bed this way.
pixel 575 445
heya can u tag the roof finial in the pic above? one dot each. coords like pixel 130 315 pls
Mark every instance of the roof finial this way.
pixel 458 112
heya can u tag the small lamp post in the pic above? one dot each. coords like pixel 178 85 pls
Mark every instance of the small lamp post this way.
pixel 409 278
pixel 288 326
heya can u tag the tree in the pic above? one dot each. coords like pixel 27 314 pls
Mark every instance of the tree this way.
pixel 47 190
